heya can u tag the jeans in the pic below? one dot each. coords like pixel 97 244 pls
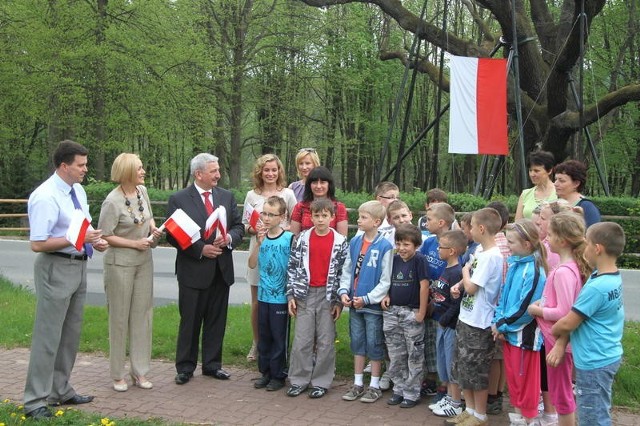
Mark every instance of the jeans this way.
pixel 365 330
pixel 593 391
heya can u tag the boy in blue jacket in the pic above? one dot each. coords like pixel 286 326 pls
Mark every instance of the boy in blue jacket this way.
pixel 364 283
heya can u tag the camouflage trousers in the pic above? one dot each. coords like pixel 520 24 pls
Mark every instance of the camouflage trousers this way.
pixel 405 344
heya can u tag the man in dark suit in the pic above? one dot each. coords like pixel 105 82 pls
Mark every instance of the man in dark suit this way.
pixel 204 270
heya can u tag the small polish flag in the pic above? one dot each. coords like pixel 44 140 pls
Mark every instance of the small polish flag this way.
pixel 478 117
pixel 217 221
pixel 77 229
pixel 182 228
pixel 252 215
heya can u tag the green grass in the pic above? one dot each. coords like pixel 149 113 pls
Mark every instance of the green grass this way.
pixel 18 305
pixel 12 414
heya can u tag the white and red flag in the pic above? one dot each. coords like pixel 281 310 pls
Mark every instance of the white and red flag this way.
pixel 252 215
pixel 182 228
pixel 478 114
pixel 77 229
pixel 217 221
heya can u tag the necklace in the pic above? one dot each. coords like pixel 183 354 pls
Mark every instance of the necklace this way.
pixel 137 221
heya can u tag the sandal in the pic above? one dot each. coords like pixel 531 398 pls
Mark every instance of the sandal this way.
pixel 317 392
pixel 295 390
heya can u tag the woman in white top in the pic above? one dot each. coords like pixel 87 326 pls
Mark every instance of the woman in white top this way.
pixel 306 160
pixel 268 180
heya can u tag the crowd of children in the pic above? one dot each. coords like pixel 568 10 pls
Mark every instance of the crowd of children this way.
pixel 531 303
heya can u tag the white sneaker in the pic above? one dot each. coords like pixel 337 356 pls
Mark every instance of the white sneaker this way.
pixel 548 419
pixel 385 381
pixel 367 369
pixel 440 403
pixel 448 409
pixel 516 419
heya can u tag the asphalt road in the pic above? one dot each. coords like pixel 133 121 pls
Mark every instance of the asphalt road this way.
pixel 16 264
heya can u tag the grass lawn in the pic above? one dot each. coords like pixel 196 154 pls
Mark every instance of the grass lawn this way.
pixel 18 306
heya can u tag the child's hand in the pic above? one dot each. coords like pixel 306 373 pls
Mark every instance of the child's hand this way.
pixel 336 310
pixel 293 309
pixel 455 290
pixel 345 300
pixel 494 331
pixel 358 302
pixel 385 303
pixel 555 356
pixel 419 317
pixel 534 309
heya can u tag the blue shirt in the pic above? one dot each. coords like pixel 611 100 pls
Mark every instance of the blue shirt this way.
pixel 597 341
pixel 430 249
pixel 405 280
pixel 50 209
pixel 273 258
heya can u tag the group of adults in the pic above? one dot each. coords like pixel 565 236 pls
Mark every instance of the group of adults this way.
pixel 204 269
pixel 551 182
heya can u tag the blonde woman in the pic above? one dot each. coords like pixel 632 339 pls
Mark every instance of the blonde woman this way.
pixel 268 180
pixel 306 160
pixel 126 221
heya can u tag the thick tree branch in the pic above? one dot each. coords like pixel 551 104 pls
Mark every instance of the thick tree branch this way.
pixel 410 22
pixel 592 113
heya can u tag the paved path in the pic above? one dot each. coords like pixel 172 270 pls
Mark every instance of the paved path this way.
pixel 206 401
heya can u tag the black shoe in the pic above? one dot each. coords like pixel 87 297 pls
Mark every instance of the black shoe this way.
pixel 275 384
pixel 262 382
pixel 39 413
pixel 395 399
pixel 182 378
pixel 218 373
pixel 74 400
pixel 408 403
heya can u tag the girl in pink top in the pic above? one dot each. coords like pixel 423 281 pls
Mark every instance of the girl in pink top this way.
pixel 566 238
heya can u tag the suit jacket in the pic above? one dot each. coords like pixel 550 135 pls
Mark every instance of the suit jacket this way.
pixel 194 270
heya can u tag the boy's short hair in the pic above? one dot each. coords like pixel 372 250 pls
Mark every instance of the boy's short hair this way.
pixel 278 202
pixel 466 218
pixel 436 195
pixel 609 235
pixel 385 186
pixel 373 208
pixel 502 210
pixel 408 232
pixel 396 205
pixel 489 218
pixel 443 211
pixel 456 240
pixel 318 206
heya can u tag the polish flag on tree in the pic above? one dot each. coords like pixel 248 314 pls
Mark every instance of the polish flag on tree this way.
pixel 77 229
pixel 182 228
pixel 478 117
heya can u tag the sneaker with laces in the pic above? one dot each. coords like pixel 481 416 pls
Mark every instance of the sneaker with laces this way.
pixel 385 381
pixel 448 409
pixel 371 395
pixel 439 403
pixel 458 419
pixel 367 368
pixel 428 388
pixel 354 393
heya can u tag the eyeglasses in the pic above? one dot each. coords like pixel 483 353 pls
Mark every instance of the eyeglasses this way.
pixel 444 248
pixel 269 215
pixel 311 150
pixel 393 197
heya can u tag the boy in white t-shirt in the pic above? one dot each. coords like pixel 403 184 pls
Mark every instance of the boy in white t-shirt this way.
pixel 474 342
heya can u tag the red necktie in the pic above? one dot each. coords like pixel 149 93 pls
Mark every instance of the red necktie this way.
pixel 207 203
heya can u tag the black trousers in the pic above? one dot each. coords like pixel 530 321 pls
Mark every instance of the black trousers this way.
pixel 273 320
pixel 201 310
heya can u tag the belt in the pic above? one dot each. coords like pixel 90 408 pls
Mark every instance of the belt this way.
pixel 69 256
